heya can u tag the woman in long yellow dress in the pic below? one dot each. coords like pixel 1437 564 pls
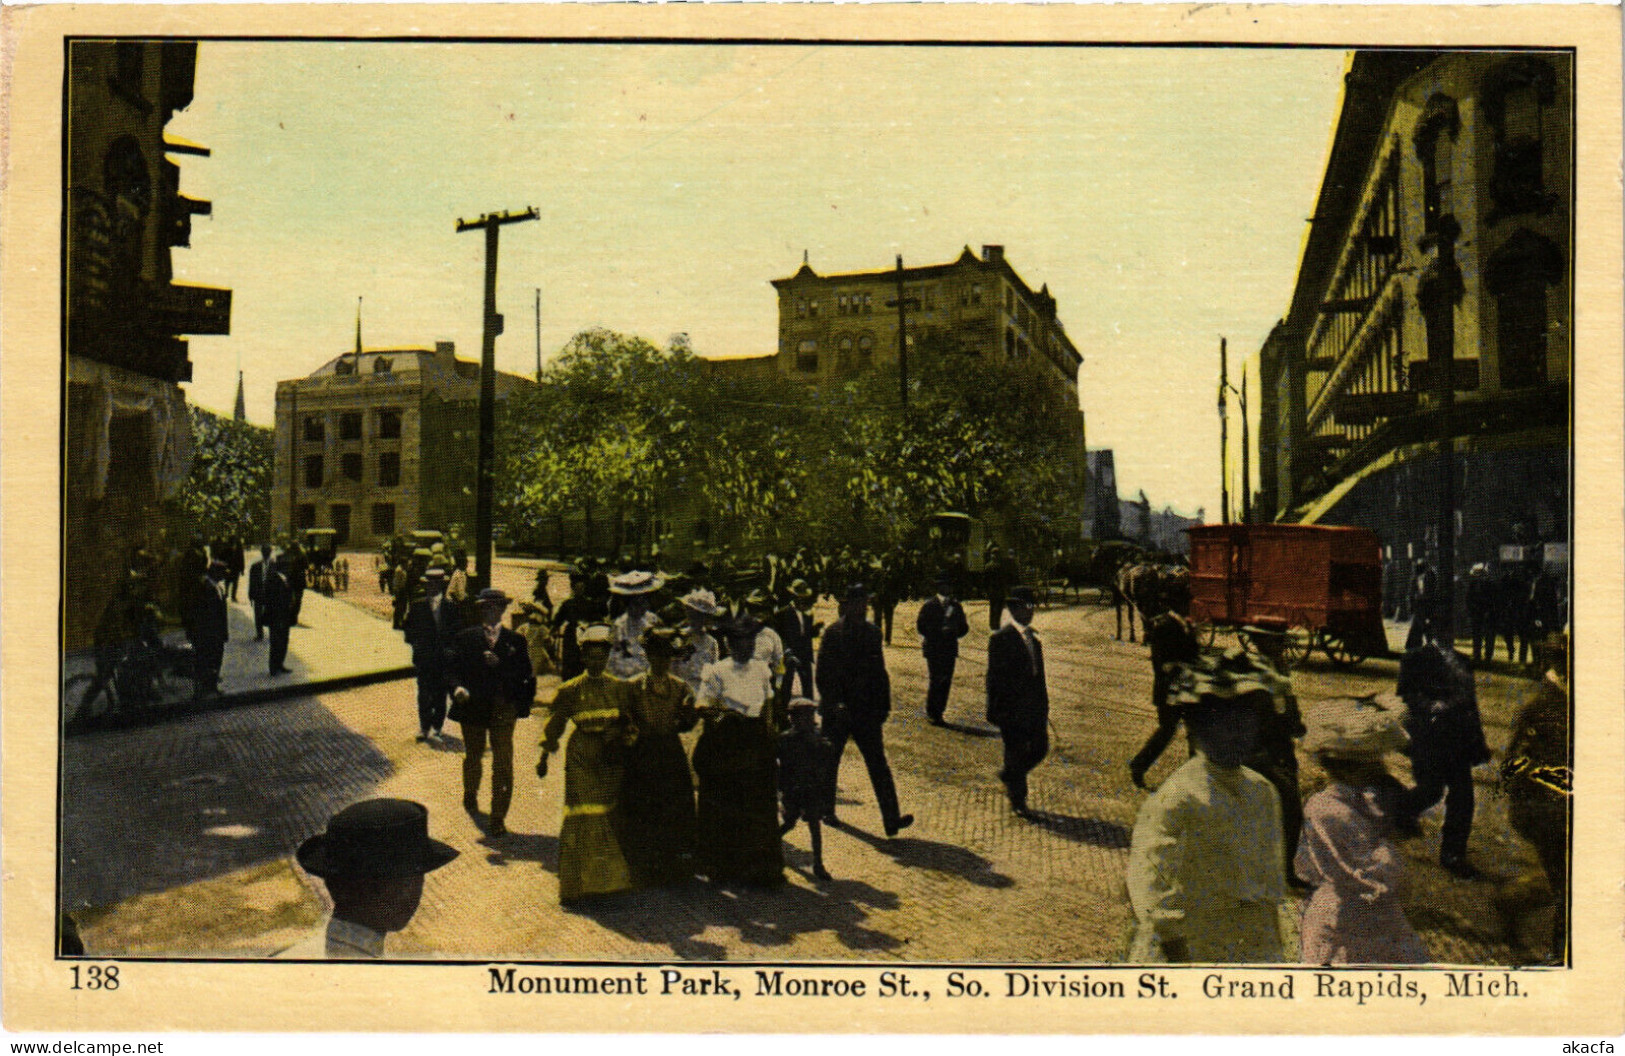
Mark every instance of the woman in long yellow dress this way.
pixel 599 707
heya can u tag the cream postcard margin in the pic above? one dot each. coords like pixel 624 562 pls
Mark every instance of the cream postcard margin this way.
pixel 172 995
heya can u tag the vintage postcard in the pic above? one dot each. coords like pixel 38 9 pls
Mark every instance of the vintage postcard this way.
pixel 856 518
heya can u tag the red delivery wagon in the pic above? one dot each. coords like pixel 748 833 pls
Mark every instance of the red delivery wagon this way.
pixel 1321 585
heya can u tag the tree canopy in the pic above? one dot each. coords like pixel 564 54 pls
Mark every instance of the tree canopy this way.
pixel 228 492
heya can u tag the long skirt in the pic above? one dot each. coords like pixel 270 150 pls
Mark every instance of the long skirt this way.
pixel 736 762
pixel 590 858
pixel 657 809
pixel 1343 928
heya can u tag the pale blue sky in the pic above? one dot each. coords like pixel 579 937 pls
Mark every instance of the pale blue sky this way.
pixel 1161 193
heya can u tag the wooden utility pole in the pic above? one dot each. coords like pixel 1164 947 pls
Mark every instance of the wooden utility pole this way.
pixel 1246 455
pixel 1224 434
pixel 902 333
pixel 538 336
pixel 491 223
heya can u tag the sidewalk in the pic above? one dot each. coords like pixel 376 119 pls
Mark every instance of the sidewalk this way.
pixel 334 645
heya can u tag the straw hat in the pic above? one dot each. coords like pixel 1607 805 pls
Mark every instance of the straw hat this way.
pixel 639 582
pixel 1357 727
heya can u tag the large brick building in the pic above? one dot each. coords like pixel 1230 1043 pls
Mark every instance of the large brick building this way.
pixel 1440 254
pixel 832 326
pixel 380 441
pixel 128 442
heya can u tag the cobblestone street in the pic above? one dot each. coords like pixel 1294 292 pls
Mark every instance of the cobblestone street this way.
pixel 178 838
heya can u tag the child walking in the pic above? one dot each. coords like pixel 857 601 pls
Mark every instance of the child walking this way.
pixel 806 777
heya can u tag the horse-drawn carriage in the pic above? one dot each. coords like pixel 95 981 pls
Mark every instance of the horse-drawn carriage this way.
pixel 1321 585
pixel 325 570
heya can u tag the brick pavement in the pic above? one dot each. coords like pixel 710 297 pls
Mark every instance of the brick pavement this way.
pixel 969 882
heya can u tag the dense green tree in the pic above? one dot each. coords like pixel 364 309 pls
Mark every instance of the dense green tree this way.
pixel 228 492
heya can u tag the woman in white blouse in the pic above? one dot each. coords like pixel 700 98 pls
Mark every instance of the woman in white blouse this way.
pixel 736 762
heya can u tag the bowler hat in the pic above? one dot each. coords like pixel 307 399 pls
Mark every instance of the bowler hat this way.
pixel 1024 595
pixel 857 592
pixel 661 640
pixel 742 626
pixel 383 839
pixel 492 594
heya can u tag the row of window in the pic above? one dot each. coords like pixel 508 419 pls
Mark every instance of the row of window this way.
pixel 338 518
pixel 921 298
pixel 850 352
pixel 350 468
pixel 387 425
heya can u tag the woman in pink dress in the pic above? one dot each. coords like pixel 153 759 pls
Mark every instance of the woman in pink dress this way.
pixel 1346 853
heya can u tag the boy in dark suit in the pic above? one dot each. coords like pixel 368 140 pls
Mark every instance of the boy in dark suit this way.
pixel 1017 696
pixel 431 624
pixel 806 777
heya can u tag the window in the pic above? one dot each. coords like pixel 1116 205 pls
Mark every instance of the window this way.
pixel 350 425
pixel 1435 144
pixel 801 307
pixel 843 355
pixel 339 518
pixel 976 293
pixel 807 357
pixel 868 303
pixel 1516 98
pixel 1518 276
pixel 389 424
pixel 866 350
pixel 313 471
pixel 841 305
pixel 350 466
pixel 812 309
pixel 344 366
pixel 383 518
pixel 381 365
pixel 1009 343
pixel 307 515
pixel 315 429
pixel 389 469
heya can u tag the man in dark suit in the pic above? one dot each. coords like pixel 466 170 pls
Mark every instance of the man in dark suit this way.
pixel 855 699
pixel 492 688
pixel 941 624
pixel 206 629
pixel 797 630
pixel 1017 695
pixel 256 589
pixel 276 595
pixel 431 623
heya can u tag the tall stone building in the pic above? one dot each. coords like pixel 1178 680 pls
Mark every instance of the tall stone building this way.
pixel 127 445
pixel 379 441
pixel 1432 321
pixel 832 326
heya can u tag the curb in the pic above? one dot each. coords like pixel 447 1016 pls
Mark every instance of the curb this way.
pixel 158 715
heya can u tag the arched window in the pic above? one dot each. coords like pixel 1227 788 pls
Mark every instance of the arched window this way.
pixel 1518 277
pixel 1518 96
pixel 807 356
pixel 1435 143
pixel 381 365
pixel 866 350
pixel 843 354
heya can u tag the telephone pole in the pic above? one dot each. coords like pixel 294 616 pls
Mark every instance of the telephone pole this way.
pixel 902 333
pixel 1224 435
pixel 490 223
pixel 1246 455
pixel 538 336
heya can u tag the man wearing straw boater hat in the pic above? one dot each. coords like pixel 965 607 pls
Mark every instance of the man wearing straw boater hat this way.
pixel 492 688
pixel 373 858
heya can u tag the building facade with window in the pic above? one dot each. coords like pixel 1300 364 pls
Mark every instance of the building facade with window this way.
pixel 1433 307
pixel 834 326
pixel 380 441
pixel 127 444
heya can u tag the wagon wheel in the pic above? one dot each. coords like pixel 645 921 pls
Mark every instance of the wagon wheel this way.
pixel 1339 651
pixel 1295 646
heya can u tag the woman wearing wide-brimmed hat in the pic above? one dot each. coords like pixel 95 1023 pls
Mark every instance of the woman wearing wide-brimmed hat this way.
pixel 626 659
pixel 701 650
pixel 1205 872
pixel 591 861
pixel 1346 854
pixel 736 762
pixel 658 794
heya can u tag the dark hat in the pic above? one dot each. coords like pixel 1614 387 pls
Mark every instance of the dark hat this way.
pixel 434 572
pixel 855 591
pixel 490 594
pixel 943 579
pixel 757 599
pixel 218 565
pixel 1024 595
pixel 742 625
pixel 383 839
pixel 662 640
